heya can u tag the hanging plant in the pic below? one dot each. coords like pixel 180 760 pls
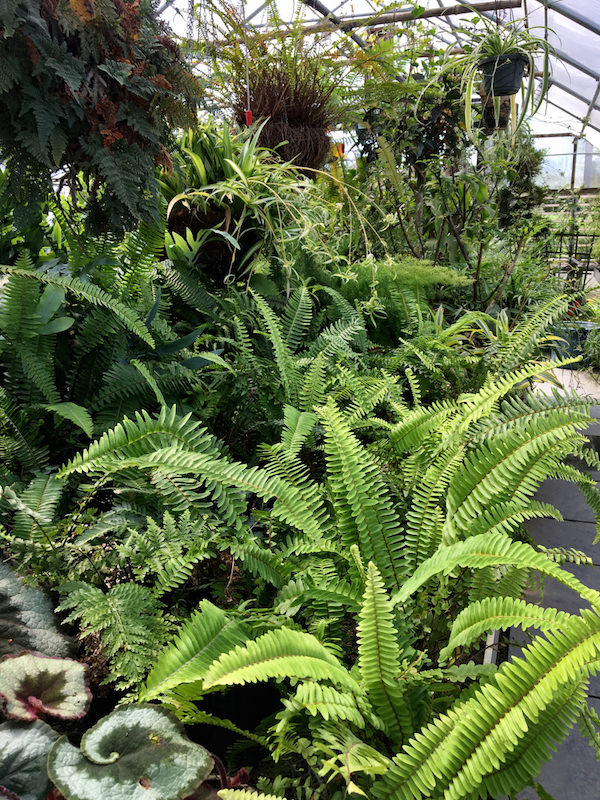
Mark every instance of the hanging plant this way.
pixel 504 58
pixel 286 84
pixel 88 94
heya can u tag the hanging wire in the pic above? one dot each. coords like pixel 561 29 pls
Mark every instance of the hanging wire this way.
pixel 189 32
pixel 248 108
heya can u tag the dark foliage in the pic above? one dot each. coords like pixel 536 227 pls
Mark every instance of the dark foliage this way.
pixel 90 90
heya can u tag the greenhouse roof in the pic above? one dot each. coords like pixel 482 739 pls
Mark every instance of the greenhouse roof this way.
pixel 573 101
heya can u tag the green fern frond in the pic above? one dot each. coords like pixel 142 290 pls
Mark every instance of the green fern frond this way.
pixel 206 635
pixel 331 704
pixel 296 318
pixel 281 351
pixel 379 657
pixel 490 550
pixel 425 517
pixel 500 613
pixel 245 794
pixel 129 620
pixel 262 563
pixel 313 387
pixel 141 436
pixel 525 337
pixel 495 740
pixel 514 466
pixel 41 499
pixel 282 653
pixel 364 511
pixel 506 517
pixel 88 291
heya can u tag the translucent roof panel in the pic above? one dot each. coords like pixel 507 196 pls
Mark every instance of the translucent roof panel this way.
pixel 573 30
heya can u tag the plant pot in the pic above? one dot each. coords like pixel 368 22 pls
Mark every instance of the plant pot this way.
pixel 503 75
pixel 574 335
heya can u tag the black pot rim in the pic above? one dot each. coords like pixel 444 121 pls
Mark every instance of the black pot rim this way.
pixel 504 57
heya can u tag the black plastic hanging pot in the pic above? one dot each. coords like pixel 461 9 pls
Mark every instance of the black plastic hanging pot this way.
pixel 503 75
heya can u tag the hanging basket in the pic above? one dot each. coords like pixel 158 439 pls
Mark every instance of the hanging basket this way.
pixel 503 75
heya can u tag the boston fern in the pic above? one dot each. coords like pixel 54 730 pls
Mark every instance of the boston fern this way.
pixel 404 573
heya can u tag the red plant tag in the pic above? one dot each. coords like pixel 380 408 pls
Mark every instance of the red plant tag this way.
pixel 248 117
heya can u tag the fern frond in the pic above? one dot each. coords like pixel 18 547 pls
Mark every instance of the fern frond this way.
pixel 41 499
pixel 331 704
pixel 88 291
pixel 313 387
pixel 281 350
pixel 129 620
pixel 379 657
pixel 205 636
pixel 282 653
pixel 500 613
pixel 245 794
pixel 365 513
pixel 425 517
pixel 296 318
pixel 495 740
pixel 491 550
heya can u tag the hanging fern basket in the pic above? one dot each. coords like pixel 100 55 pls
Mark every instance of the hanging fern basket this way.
pixel 503 75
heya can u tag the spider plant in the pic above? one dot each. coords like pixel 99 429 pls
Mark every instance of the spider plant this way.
pixel 231 186
pixel 502 42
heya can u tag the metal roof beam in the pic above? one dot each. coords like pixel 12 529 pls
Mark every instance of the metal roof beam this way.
pixel 570 113
pixel 593 106
pixel 574 16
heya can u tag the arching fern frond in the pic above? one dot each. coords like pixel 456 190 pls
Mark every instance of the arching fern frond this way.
pixel 206 635
pixel 491 550
pixel 500 613
pixel 88 291
pixel 495 740
pixel 282 653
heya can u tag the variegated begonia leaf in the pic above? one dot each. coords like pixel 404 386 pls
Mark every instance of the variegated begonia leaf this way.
pixel 23 754
pixel 139 752
pixel 26 618
pixel 32 685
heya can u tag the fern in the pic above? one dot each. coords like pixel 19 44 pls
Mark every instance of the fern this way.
pixel 93 294
pixel 506 729
pixel 500 613
pixel 296 318
pixel 278 654
pixel 365 514
pixel 490 549
pixel 379 657
pixel 130 623
pixel 202 639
